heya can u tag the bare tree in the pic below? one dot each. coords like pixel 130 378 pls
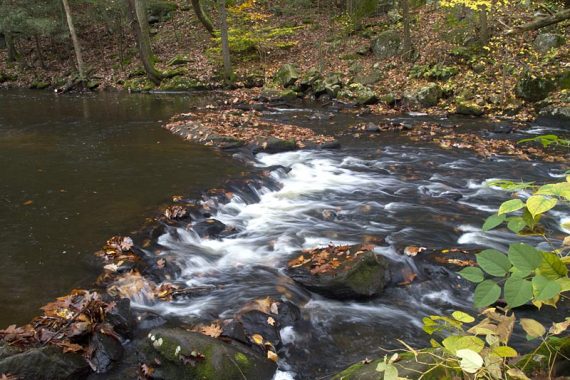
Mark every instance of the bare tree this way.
pixel 75 40
pixel 407 38
pixel 225 42
pixel 140 27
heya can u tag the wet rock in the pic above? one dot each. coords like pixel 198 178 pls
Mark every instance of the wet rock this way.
pixel 468 108
pixel 209 228
pixel 503 129
pixel 46 363
pixel 189 355
pixel 349 272
pixel 121 317
pixel 274 145
pixel 534 89
pixel 409 367
pixel 105 352
pixel 287 75
pixel 546 41
pixel 387 44
pixel 429 95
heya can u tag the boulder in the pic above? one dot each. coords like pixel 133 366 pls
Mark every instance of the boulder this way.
pixel 408 367
pixel 46 363
pixel 556 112
pixel 287 75
pixel 429 95
pixel 468 108
pixel 546 41
pixel 359 93
pixel 534 89
pixel 345 272
pixel 308 80
pixel 105 352
pixel 330 85
pixel 387 44
pixel 564 80
pixel 189 355
pixel 209 228
pixel 373 77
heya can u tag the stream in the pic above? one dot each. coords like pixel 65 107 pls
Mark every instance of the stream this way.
pixel 114 173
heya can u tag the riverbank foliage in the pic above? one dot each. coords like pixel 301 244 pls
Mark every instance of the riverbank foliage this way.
pixel 483 58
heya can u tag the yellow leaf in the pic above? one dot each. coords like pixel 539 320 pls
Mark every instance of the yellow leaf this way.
pixel 533 328
pixel 257 339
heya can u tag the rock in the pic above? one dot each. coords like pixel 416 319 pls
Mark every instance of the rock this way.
pixel 178 60
pixel 534 89
pixel 556 112
pixel 274 145
pixel 308 80
pixel 93 84
pixel 288 95
pixel 190 355
pixel 161 10
pixel 209 228
pixel 359 93
pixel 105 352
pixel 429 95
pixel 465 107
pixel 358 274
pixel 546 41
pixel 363 50
pixel 409 367
pixel 121 318
pixel 371 127
pixel 287 75
pixel 330 86
pixel 564 80
pixel 367 79
pixel 39 85
pixel 387 44
pixel 46 363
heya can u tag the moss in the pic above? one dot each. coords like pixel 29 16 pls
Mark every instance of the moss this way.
pixel 181 83
pixel 241 359
pixel 139 85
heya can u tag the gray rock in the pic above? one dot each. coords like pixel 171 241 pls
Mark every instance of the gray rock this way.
pixel 387 44
pixel 190 355
pixel 359 93
pixel 106 351
pixel 562 112
pixel 367 79
pixel 546 41
pixel 287 75
pixel 46 363
pixel 331 86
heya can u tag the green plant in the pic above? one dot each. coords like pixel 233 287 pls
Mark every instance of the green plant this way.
pixel 547 140
pixel 435 72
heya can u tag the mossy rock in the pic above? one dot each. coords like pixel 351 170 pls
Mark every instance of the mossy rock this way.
pixel 308 80
pixel 546 41
pixel 564 80
pixel 139 85
pixel 178 60
pixel 181 83
pixel 139 72
pixel 189 355
pixel 429 95
pixel 534 89
pixel 359 93
pixel 39 85
pixel 287 75
pixel 373 77
pixel 468 108
pixel 408 367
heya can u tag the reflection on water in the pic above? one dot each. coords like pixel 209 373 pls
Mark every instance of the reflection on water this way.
pixel 76 170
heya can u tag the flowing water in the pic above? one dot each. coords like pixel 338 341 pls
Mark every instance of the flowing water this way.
pixel 92 169
pixel 77 170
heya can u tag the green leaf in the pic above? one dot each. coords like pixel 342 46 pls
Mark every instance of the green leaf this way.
pixel 539 204
pixel 564 283
pixel 510 206
pixel 516 224
pixel 552 267
pixel 505 352
pixel 493 221
pixel 544 288
pixel 462 317
pixel 486 293
pixel 533 328
pixel 531 221
pixel 518 291
pixel 561 190
pixel 494 262
pixel 472 274
pixel 524 257
pixel 471 361
pixel 454 343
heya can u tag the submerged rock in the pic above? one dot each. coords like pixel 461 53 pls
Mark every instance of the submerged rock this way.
pixel 189 355
pixel 347 272
pixel 46 363
pixel 209 228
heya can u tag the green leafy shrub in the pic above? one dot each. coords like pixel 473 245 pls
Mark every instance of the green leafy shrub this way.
pixel 434 72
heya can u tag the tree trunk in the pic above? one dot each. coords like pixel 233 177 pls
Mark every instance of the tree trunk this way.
pixel 139 23
pixel 39 51
pixel 202 16
pixel 407 39
pixel 76 46
pixel 12 54
pixel 225 42
pixel 483 26
pixel 543 22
